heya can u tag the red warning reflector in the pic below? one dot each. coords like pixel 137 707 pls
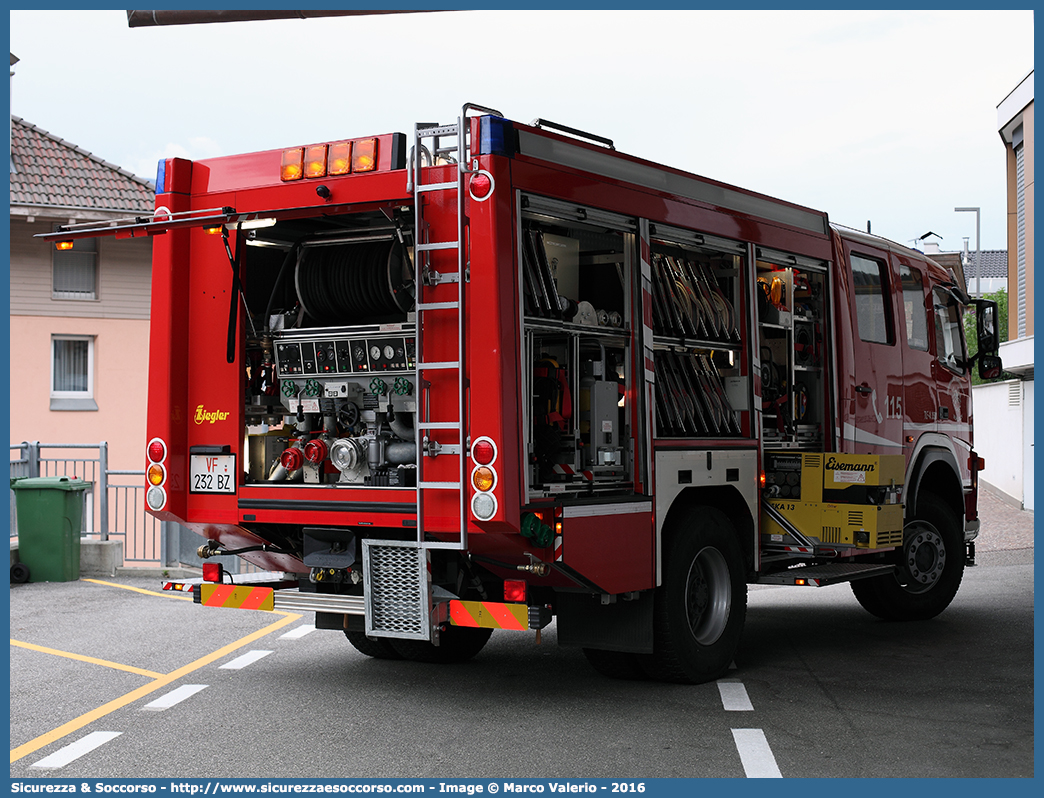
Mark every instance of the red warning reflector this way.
pixel 515 590
pixel 481 186
pixel 211 572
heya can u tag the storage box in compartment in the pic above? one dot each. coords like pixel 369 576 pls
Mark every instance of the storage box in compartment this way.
pixel 775 295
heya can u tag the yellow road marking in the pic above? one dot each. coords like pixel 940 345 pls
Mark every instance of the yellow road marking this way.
pixel 166 594
pixel 82 658
pixel 106 709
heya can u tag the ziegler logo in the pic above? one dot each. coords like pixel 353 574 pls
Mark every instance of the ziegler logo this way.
pixel 834 465
pixel 209 415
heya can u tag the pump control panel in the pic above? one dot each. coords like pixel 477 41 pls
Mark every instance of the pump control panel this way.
pixel 341 355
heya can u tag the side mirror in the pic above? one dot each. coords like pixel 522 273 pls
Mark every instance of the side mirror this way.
pixel 989 367
pixel 987 327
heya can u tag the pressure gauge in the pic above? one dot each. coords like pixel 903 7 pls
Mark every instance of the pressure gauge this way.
pixel 389 352
pixel 375 352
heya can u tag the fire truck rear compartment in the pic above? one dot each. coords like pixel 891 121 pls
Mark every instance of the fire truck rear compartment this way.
pixel 329 363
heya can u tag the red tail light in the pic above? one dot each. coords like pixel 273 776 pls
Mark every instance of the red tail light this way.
pixel 211 572
pixel 156 451
pixel 515 590
pixel 483 451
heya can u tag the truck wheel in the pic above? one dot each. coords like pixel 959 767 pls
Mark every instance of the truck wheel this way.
pixel 456 644
pixel 615 664
pixel 700 608
pixel 929 571
pixel 378 649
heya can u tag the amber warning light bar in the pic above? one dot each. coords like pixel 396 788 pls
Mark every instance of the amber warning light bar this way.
pixel 320 160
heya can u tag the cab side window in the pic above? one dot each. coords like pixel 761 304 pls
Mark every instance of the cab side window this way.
pixel 914 311
pixel 873 318
pixel 949 337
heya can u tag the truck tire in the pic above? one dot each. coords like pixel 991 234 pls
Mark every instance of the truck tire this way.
pixel 701 606
pixel 378 649
pixel 615 664
pixel 456 644
pixel 929 571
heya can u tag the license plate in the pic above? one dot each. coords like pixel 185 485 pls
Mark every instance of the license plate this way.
pixel 212 473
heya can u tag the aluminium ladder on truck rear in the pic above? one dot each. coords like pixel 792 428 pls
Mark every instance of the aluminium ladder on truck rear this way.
pixel 396 574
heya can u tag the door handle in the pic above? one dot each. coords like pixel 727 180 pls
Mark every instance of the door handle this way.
pixel 864 389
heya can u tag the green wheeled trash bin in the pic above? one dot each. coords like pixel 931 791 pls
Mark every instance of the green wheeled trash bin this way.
pixel 50 512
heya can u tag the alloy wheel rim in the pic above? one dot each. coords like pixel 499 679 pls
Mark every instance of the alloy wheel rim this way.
pixel 924 556
pixel 708 596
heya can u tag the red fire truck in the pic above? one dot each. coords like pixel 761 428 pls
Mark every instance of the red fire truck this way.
pixel 499 374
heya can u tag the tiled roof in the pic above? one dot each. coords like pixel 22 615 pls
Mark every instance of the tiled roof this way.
pixel 47 171
pixel 994 263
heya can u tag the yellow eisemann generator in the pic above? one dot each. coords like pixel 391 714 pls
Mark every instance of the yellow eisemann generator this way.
pixel 836 500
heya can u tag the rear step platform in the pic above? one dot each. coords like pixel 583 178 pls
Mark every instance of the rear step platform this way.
pixel 823 575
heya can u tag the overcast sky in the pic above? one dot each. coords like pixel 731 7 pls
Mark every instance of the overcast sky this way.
pixel 883 116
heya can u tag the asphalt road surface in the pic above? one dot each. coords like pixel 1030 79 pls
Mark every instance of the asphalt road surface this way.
pixel 112 679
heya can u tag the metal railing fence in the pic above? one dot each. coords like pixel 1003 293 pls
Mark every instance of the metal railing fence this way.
pixel 113 507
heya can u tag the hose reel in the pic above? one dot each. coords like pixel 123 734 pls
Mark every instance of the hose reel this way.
pixel 340 284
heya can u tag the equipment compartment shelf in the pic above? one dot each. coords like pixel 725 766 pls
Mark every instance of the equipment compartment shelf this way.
pixel 668 342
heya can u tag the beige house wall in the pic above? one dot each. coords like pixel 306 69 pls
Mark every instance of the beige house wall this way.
pixel 121 356
pixel 117 320
pixel 124 276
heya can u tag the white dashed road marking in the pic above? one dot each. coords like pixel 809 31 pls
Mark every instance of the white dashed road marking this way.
pixel 247 659
pixel 755 754
pixel 297 632
pixel 175 697
pixel 63 756
pixel 734 697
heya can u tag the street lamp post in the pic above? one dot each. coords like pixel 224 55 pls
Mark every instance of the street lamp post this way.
pixel 978 252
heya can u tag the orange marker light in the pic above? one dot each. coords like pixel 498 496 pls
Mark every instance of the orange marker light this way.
pixel 340 158
pixel 213 231
pixel 292 166
pixel 156 474
pixel 364 155
pixel 315 161
pixel 63 245
pixel 482 479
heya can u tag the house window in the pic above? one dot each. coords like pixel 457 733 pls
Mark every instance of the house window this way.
pixel 74 272
pixel 871 300
pixel 72 372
